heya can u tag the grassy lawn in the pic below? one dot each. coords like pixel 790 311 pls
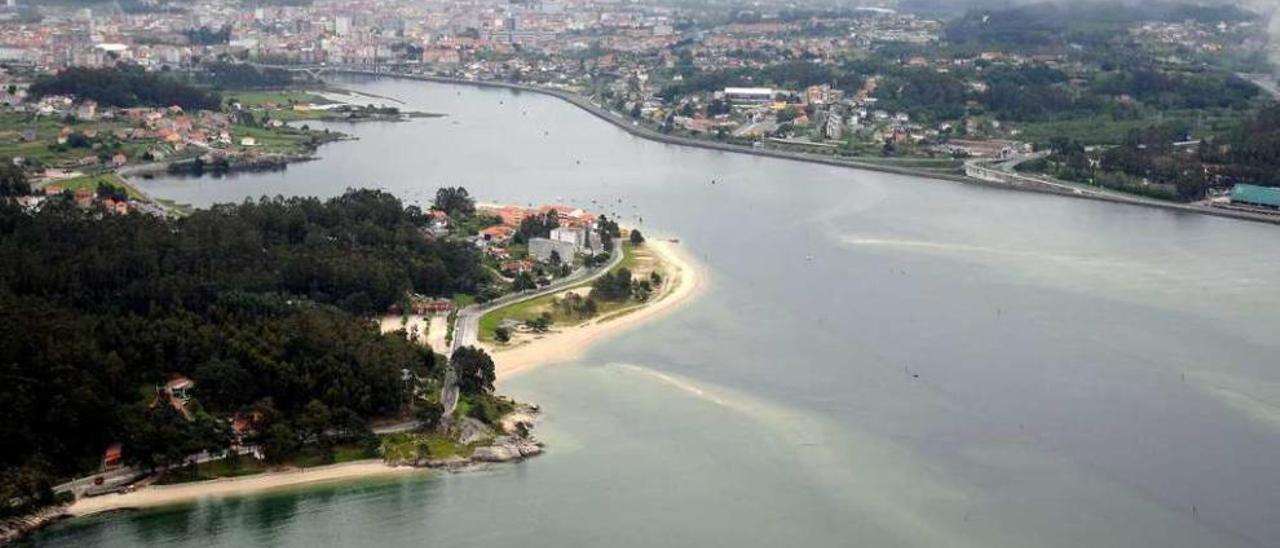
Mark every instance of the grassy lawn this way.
pixel 533 308
pixel 273 140
pixel 463 300
pixel 628 256
pixel 311 456
pixel 279 103
pixel 308 457
pixel 225 468
pixel 281 98
pixel 406 446
pixel 91 182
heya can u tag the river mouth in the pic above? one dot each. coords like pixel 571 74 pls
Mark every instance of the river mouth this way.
pixel 882 360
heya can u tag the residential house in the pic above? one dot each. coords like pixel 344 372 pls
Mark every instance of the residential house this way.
pixel 497 234
pixel 84 197
pixel 113 457
pixel 516 267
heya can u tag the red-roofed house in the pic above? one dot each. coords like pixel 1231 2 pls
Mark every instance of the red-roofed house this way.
pixel 84 197
pixel 497 234
pixel 512 216
pixel 516 267
pixel 113 457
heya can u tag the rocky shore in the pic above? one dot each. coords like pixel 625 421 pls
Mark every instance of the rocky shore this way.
pixel 488 446
pixel 13 529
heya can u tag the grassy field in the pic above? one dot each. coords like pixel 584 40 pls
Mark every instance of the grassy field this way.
pixel 308 457
pixel 43 148
pixel 91 182
pixel 533 308
pixel 282 140
pixel 225 468
pixel 1103 130
pixel 410 446
pixel 279 103
pixel 273 98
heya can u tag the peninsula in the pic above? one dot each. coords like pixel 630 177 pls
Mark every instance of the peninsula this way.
pixel 262 380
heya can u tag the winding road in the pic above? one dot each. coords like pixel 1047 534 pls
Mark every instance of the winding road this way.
pixel 466 327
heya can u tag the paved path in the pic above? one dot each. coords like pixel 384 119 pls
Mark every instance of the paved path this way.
pixel 466 327
pixel 436 331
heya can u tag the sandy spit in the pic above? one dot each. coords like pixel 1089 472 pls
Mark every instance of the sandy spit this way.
pixel 686 281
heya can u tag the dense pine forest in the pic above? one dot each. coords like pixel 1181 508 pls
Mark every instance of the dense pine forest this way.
pixel 126 86
pixel 266 305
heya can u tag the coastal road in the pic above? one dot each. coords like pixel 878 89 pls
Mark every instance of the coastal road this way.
pixel 122 474
pixel 466 327
pixel 644 132
pixel 466 330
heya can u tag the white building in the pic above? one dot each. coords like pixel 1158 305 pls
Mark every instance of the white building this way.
pixel 573 235
pixel 541 249
pixel 748 95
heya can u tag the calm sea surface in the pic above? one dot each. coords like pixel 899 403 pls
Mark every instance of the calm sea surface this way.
pixel 879 361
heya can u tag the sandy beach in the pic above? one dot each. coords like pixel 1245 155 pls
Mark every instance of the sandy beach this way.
pixel 685 281
pixel 161 495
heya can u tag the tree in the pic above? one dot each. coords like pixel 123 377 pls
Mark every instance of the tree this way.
pixel 612 286
pixel 475 370
pixel 428 415
pixel 536 226
pixel 455 201
pixel 313 424
pixel 263 303
pixel 636 237
pixel 278 442
pixel 13 180
pixel 523 281
pixel 541 323
pixel 126 86
pixel 502 334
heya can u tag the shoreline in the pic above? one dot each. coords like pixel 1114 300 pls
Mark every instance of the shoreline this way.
pixel 165 495
pixel 648 134
pixel 686 282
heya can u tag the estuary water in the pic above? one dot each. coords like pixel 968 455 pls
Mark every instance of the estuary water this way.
pixel 878 360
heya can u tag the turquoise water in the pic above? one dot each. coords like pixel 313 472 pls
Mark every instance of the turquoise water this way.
pixel 878 361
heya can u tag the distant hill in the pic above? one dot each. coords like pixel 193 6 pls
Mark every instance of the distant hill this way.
pixel 1048 23
pixel 1169 10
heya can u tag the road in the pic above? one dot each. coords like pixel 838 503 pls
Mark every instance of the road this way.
pixel 118 475
pixel 466 327
pixel 466 330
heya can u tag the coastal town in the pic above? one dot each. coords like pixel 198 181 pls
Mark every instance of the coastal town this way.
pixel 872 86
pixel 359 318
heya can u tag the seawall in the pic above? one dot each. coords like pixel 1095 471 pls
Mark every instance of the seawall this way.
pixel 1002 180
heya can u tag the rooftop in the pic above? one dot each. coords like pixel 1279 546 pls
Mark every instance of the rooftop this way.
pixel 1257 195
